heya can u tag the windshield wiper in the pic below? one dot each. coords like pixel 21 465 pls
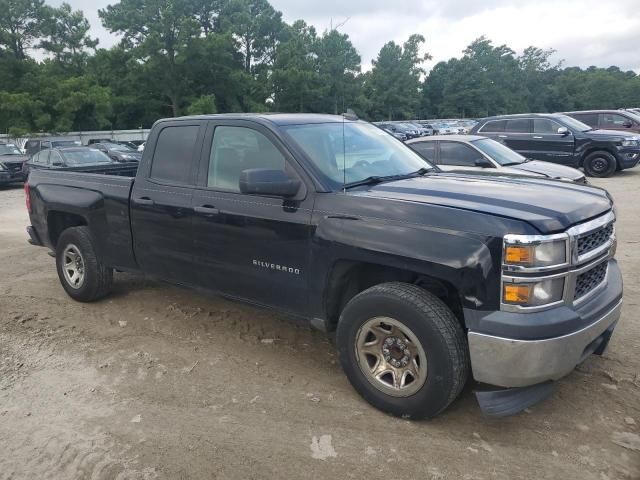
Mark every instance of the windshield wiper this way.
pixel 375 179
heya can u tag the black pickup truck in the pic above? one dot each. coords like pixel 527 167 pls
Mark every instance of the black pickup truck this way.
pixel 426 278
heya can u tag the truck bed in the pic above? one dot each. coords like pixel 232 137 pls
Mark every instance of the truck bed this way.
pixel 99 199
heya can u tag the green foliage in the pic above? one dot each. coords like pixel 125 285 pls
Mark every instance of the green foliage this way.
pixel 205 56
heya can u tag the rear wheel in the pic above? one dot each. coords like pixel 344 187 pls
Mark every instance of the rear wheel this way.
pixel 403 350
pixel 600 164
pixel 81 272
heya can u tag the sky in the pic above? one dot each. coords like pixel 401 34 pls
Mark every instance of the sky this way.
pixel 583 32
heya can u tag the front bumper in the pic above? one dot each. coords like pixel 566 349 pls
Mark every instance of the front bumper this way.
pixel 510 349
pixel 628 158
pixel 509 363
pixel 5 177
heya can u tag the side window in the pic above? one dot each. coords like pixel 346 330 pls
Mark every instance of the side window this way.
pixel 43 157
pixel 55 158
pixel 458 154
pixel 590 119
pixel 425 150
pixel 173 155
pixel 235 149
pixel 518 125
pixel 612 120
pixel 545 126
pixel 494 126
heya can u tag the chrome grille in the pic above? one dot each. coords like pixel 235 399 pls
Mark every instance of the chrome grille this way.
pixel 587 281
pixel 594 239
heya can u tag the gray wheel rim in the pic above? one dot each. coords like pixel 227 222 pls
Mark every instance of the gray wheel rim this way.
pixel 391 357
pixel 73 266
pixel 599 164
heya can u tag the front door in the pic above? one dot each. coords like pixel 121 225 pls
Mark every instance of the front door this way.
pixel 161 211
pixel 550 145
pixel 250 246
pixel 459 157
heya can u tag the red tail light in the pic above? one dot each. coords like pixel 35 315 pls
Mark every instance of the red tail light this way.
pixel 27 196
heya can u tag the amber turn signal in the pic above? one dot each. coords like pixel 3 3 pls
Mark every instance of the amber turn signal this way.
pixel 514 293
pixel 519 255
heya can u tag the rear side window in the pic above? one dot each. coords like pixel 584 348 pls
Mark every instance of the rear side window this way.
pixel 458 154
pixel 590 119
pixel 174 153
pixel 425 150
pixel 494 126
pixel 612 120
pixel 518 125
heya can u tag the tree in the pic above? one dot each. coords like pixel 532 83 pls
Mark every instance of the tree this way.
pixel 67 35
pixel 20 25
pixel 256 26
pixel 159 32
pixel 296 79
pixel 338 66
pixel 395 78
pixel 203 105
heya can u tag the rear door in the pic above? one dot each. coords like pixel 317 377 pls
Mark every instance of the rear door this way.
pixel 517 136
pixel 161 211
pixel 250 246
pixel 549 145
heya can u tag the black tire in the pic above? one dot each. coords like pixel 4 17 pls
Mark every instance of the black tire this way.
pixel 436 328
pixel 600 164
pixel 98 277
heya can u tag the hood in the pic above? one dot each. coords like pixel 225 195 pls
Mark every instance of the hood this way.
pixel 13 159
pixel 548 206
pixel 609 134
pixel 548 169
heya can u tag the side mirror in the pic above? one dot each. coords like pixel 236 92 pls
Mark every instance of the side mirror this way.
pixel 483 163
pixel 57 164
pixel 627 124
pixel 263 181
pixel 563 131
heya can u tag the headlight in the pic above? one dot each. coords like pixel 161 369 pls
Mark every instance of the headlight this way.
pixel 533 294
pixel 535 252
pixel 631 142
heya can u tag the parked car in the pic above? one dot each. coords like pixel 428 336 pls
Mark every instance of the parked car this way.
pixel 396 128
pixel 70 158
pixel 609 119
pixel 473 153
pixel 11 162
pixel 444 129
pixel 34 145
pixel 99 140
pixel 118 152
pixel 421 130
pixel 562 139
pixel 425 277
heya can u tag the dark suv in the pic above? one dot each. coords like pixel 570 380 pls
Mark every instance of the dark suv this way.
pixel 558 138
pixel 609 119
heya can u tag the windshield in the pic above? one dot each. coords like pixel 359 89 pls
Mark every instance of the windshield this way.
pixel 85 157
pixel 573 124
pixel 498 152
pixel 369 151
pixel 118 147
pixel 64 143
pixel 9 149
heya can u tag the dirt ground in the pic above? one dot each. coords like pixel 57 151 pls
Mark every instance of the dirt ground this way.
pixel 160 382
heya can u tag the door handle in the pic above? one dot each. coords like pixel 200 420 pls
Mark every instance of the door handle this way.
pixel 539 138
pixel 144 201
pixel 206 210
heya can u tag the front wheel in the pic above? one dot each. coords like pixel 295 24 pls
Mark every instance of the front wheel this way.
pixel 81 272
pixel 403 350
pixel 600 164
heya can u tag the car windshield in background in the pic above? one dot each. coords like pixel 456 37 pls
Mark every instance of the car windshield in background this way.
pixel 118 147
pixel 85 157
pixel 64 143
pixel 498 152
pixel 364 151
pixel 9 149
pixel 574 124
